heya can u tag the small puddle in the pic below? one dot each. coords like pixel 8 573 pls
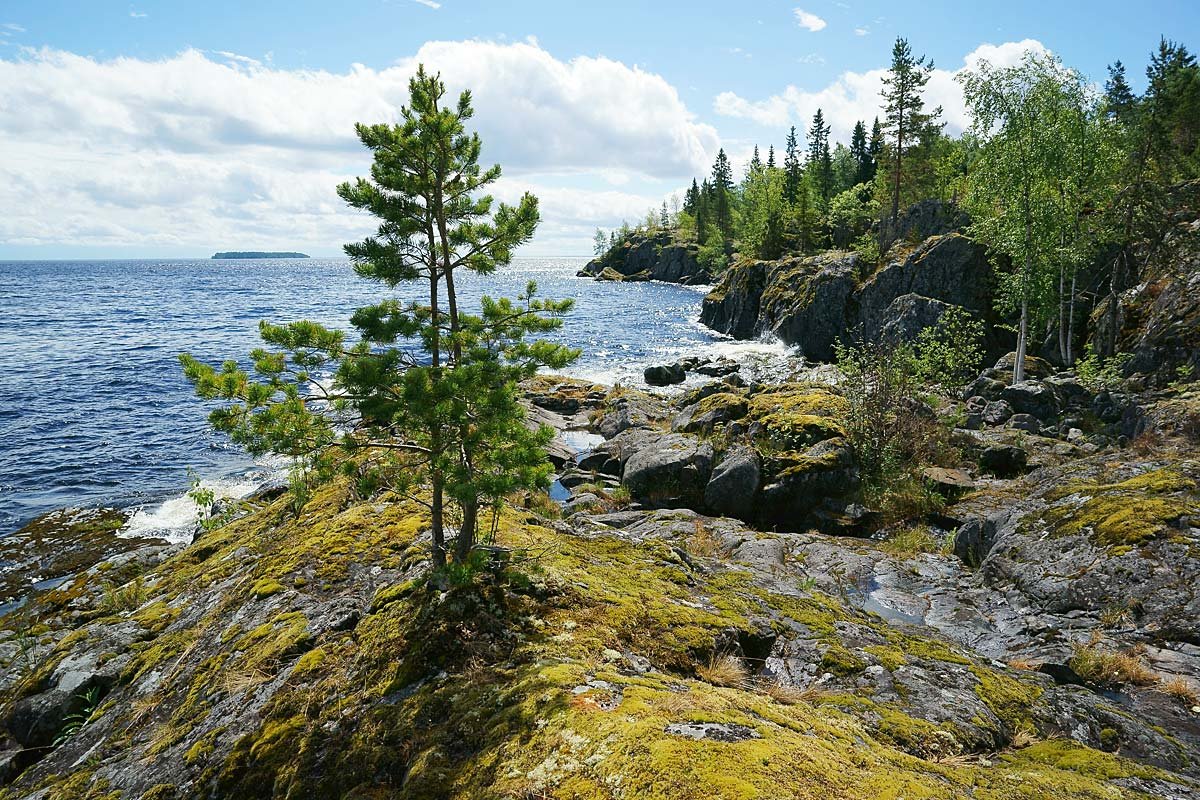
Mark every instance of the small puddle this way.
pixel 868 595
pixel 580 442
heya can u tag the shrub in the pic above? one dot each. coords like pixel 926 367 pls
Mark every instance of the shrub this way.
pixel 1097 373
pixel 951 352
pixel 1110 667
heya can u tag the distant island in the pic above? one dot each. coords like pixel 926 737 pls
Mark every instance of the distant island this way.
pixel 259 254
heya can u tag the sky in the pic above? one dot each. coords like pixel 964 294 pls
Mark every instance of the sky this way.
pixel 175 129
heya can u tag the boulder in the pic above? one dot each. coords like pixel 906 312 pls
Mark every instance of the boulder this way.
pixel 1003 460
pixel 1032 397
pixel 997 412
pixel 1025 422
pixel 732 489
pixel 664 375
pixel 717 369
pixel 669 470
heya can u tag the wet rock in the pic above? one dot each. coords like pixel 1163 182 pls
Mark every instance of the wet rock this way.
pixel 664 375
pixel 717 369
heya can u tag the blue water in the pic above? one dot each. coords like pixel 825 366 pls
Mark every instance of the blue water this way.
pixel 94 409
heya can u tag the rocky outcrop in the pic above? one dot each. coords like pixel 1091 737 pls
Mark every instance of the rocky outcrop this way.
pixel 817 301
pixel 654 257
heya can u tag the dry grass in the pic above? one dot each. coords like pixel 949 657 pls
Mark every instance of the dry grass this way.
pixel 1111 667
pixel 1022 737
pixel 704 543
pixel 1182 690
pixel 725 670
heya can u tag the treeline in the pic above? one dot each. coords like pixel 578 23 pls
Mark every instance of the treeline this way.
pixel 1058 175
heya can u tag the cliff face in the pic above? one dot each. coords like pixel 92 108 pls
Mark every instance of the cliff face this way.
pixel 816 301
pixel 657 257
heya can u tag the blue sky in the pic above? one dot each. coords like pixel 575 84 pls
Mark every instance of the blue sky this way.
pixel 173 129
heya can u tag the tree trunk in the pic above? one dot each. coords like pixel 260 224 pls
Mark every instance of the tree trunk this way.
pixel 1071 322
pixel 466 534
pixel 1062 312
pixel 1022 341
pixel 437 480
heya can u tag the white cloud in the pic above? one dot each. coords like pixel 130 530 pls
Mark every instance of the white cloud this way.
pixel 855 96
pixel 12 26
pixel 809 21
pixel 219 150
pixel 861 31
pixel 429 4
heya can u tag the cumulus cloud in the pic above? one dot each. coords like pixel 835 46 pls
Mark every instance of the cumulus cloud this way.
pixel 202 150
pixel 808 21
pixel 855 96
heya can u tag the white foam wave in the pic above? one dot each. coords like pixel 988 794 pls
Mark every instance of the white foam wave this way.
pixel 175 519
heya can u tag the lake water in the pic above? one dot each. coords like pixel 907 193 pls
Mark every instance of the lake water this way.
pixel 95 411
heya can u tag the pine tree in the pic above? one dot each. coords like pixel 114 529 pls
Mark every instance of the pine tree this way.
pixel 447 428
pixel 756 164
pixel 905 119
pixel 819 158
pixel 793 170
pixel 664 219
pixel 771 157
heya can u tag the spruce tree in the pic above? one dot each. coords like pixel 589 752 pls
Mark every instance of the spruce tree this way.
pixel 905 119
pixel 771 157
pixel 820 161
pixel 426 401
pixel 1118 97
pixel 793 170
pixel 722 194
pixel 664 219
pixel 691 198
pixel 863 166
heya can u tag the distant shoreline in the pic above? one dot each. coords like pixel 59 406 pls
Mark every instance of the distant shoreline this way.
pixel 258 254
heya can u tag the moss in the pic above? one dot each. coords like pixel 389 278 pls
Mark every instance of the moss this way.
pixel 1010 698
pixel 840 661
pixel 890 658
pixel 1125 514
pixel 798 415
pixel 266 587
pixel 309 663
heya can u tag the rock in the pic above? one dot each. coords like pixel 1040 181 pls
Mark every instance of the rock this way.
pixel 672 469
pixel 1003 461
pixel 664 375
pixel 710 412
pixel 976 404
pixel 719 368
pixel 734 484
pixel 908 315
pixel 985 387
pixel 1035 368
pixel 949 482
pixel 713 731
pixel 928 218
pixel 1025 422
pixel 60 544
pixel 656 256
pixel 580 503
pixel 1032 397
pixel 813 302
pixel 997 412
pixel 630 410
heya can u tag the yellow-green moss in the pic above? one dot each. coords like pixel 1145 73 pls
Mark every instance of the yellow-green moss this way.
pixel 799 414
pixel 266 587
pixel 1123 514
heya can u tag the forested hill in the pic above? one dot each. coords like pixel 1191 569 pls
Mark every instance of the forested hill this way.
pixel 1070 223
pixel 259 254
